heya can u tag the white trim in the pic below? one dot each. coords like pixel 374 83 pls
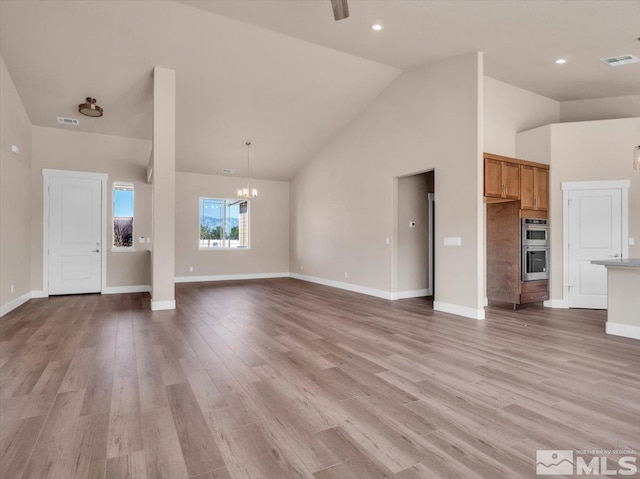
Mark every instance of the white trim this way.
pixel 229 277
pixel 378 293
pixel 415 293
pixel 162 305
pixel 47 174
pixel 595 185
pixel 458 310
pixel 431 198
pixel 625 330
pixel 136 288
pixel 556 303
pixel 75 174
pixel 567 187
pixel 15 303
pixel 39 294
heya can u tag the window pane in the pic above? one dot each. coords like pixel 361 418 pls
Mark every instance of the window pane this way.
pixel 224 223
pixel 123 203
pixel 211 223
pixel 123 217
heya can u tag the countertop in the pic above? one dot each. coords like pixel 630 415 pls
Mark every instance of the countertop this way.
pixel 619 262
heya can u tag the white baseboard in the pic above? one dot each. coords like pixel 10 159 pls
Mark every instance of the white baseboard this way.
pixel 39 294
pixel 414 293
pixel 556 303
pixel 625 330
pixel 378 293
pixel 137 288
pixel 15 303
pixel 459 310
pixel 229 277
pixel 162 305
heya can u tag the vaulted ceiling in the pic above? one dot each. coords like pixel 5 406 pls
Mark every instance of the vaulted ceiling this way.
pixel 283 74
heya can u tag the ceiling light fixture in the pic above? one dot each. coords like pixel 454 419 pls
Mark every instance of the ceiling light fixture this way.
pixel 636 158
pixel 376 27
pixel 90 108
pixel 561 61
pixel 247 192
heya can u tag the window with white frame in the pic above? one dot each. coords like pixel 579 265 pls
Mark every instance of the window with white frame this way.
pixel 224 223
pixel 123 208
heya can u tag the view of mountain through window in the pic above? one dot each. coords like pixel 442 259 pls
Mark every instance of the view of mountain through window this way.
pixel 224 223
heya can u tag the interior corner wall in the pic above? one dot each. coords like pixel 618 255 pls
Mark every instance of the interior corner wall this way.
pixel 509 110
pixel 268 253
pixel 123 159
pixel 585 151
pixel 15 200
pixel 342 201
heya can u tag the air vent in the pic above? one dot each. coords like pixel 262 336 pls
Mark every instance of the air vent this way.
pixel 68 121
pixel 228 171
pixel 620 60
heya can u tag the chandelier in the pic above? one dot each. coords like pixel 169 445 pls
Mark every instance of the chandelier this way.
pixel 247 192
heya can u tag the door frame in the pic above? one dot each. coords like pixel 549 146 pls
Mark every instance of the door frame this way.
pixel 567 187
pixel 47 174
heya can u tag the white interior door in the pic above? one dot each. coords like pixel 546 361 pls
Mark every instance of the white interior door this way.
pixel 595 232
pixel 75 235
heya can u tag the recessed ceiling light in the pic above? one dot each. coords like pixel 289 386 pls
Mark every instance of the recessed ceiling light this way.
pixel 376 26
pixel 561 61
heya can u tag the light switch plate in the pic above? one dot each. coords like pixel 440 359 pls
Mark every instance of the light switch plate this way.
pixel 453 241
pixel 632 241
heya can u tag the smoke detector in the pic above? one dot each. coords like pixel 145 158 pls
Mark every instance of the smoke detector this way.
pixel 228 171
pixel 68 121
pixel 620 60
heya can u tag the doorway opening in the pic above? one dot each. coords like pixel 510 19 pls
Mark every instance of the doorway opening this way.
pixel 414 236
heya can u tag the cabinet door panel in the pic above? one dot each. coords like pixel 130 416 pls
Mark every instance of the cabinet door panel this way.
pixel 542 189
pixel 527 192
pixel 492 178
pixel 511 179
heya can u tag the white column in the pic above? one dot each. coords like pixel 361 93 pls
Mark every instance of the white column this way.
pixel 164 179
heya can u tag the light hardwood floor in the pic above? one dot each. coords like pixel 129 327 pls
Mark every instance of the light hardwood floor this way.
pixel 281 379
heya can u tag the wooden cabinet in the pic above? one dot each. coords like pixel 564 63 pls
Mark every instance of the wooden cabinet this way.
pixel 501 179
pixel 534 188
pixel 513 189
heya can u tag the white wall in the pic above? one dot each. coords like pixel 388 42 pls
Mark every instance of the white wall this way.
pixel 509 110
pixel 600 108
pixel 15 200
pixel 123 159
pixel 585 151
pixel 269 228
pixel 342 204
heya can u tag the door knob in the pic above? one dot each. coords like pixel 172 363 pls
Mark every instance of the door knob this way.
pixel 614 255
pixel 95 250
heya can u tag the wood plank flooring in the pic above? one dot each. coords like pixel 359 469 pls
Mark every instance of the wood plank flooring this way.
pixel 286 379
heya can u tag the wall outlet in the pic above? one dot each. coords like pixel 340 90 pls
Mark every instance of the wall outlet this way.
pixel 15 150
pixel 12 288
pixel 148 240
pixel 301 268
pixel 632 241
pixel 190 269
pixel 388 240
pixel 346 275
